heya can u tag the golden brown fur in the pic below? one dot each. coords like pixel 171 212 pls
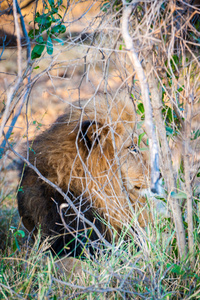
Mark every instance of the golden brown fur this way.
pixel 91 154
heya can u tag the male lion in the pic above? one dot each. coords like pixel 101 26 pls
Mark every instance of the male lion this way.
pixel 93 154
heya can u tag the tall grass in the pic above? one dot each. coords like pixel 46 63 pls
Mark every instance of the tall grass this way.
pixel 29 271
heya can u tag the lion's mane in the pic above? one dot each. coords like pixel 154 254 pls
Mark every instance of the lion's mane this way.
pixel 92 153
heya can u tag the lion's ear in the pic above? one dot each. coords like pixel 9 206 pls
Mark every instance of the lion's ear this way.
pixel 89 133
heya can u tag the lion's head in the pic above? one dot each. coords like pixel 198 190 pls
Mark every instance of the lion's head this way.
pixel 96 155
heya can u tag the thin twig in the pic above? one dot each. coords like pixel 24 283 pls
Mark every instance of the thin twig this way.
pixel 28 45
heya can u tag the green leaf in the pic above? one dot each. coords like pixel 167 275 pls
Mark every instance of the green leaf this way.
pixel 169 130
pixel 55 20
pixel 140 138
pixel 197 134
pixel 43 20
pixel 49 46
pixel 179 195
pixel 54 10
pixel 60 41
pixel 105 7
pixel 141 107
pixel 176 269
pixel 12 228
pixel 36 68
pixel 15 245
pixel 37 51
pixel 176 59
pixel 59 2
pixel 120 47
pixel 58 29
pixel 40 40
pixel 180 89
pixel 144 149
pixel 20 233
pixel 33 33
pixel 21 189
pixel 51 2
pixel 139 8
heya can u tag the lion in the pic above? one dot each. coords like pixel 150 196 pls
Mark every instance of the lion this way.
pixel 94 154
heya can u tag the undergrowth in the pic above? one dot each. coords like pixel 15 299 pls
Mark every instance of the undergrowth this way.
pixel 29 271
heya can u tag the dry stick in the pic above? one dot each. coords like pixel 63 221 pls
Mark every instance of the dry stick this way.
pixel 13 90
pixel 168 172
pixel 19 47
pixel 19 76
pixel 28 45
pixel 187 168
pixel 149 126
pixel 180 233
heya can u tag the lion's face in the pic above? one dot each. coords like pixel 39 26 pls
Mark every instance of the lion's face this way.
pixel 116 156
pixel 101 155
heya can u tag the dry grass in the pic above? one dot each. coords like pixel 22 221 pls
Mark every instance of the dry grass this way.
pixel 121 272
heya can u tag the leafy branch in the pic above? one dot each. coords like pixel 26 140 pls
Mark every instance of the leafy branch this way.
pixel 49 22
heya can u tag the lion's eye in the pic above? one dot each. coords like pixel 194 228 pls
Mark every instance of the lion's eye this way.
pixel 133 148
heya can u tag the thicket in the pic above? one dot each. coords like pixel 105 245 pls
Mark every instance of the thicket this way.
pixel 151 49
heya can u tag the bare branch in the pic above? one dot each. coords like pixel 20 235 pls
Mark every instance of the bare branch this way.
pixel 149 126
pixel 187 167
pixel 11 94
pixel 28 45
pixel 19 77
pixel 168 171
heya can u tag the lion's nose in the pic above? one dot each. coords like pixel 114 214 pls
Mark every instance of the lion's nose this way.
pixel 153 190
